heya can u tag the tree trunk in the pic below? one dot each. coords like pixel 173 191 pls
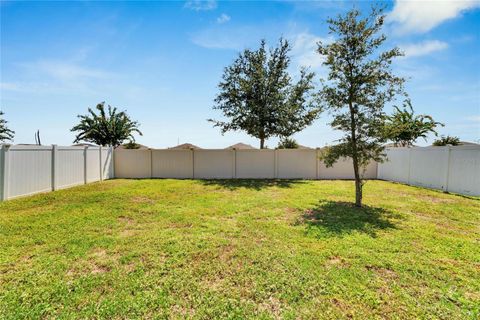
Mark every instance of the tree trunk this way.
pixel 358 183
pixel 358 180
pixel 262 139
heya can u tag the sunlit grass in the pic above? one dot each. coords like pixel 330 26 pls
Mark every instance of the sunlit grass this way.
pixel 239 249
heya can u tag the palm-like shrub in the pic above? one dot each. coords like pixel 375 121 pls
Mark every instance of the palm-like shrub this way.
pixel 107 128
pixel 5 133
pixel 447 140
pixel 404 127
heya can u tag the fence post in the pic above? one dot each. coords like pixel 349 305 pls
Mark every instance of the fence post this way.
pixel 5 167
pixel 317 164
pixel 409 164
pixel 275 163
pixel 193 163
pixel 151 163
pixel 234 168
pixel 112 162
pixel 447 175
pixel 54 166
pixel 101 162
pixel 85 148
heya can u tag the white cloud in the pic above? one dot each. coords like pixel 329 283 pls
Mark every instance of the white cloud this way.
pixel 223 18
pixel 423 15
pixel 423 48
pixel 199 5
pixel 304 50
pixel 65 70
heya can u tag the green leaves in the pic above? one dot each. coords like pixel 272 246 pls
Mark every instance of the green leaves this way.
pixel 403 127
pixel 447 140
pixel 360 82
pixel 5 133
pixel 108 128
pixel 258 96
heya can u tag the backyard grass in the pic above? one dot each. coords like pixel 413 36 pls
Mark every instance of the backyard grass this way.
pixel 240 249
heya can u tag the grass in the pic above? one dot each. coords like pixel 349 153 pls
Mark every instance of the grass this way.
pixel 240 249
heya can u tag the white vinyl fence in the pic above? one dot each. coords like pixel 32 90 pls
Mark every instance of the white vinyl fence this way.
pixel 26 170
pixel 231 164
pixel 453 169
pixel 30 169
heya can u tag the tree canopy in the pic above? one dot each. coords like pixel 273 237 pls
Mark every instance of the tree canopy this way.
pixel 257 95
pixel 5 133
pixel 287 143
pixel 403 127
pixel 108 127
pixel 360 82
pixel 447 140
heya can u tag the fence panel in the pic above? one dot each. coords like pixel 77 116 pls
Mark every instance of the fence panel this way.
pixel 455 169
pixel 214 164
pixel 297 163
pixel 397 166
pixel 70 167
pixel 93 164
pixel 343 169
pixel 107 163
pixel 464 170
pixel 133 164
pixel 255 164
pixel 29 170
pixel 428 167
pixel 172 164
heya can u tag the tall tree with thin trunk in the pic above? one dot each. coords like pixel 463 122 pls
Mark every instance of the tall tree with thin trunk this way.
pixel 108 127
pixel 257 95
pixel 360 82
pixel 5 133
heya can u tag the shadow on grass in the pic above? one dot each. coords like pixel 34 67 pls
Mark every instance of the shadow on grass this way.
pixel 331 218
pixel 255 184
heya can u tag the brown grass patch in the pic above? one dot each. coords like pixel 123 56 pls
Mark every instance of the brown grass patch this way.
pixel 336 261
pixel 273 306
pixel 142 199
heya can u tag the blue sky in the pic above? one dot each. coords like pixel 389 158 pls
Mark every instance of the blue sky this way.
pixel 161 61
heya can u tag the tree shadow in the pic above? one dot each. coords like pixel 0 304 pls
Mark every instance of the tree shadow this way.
pixel 255 184
pixel 332 218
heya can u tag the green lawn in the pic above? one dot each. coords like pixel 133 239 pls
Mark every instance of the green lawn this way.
pixel 240 249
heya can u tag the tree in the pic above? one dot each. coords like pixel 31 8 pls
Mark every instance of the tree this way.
pixel 447 140
pixel 258 96
pixel 360 82
pixel 403 127
pixel 107 128
pixel 131 145
pixel 287 143
pixel 5 133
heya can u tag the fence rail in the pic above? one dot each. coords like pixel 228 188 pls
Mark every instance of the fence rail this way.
pixel 26 170
pixel 451 169
pixel 231 164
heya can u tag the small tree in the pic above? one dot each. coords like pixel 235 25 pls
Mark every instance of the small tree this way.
pixel 447 140
pixel 403 127
pixel 258 96
pixel 360 83
pixel 107 128
pixel 287 143
pixel 5 133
